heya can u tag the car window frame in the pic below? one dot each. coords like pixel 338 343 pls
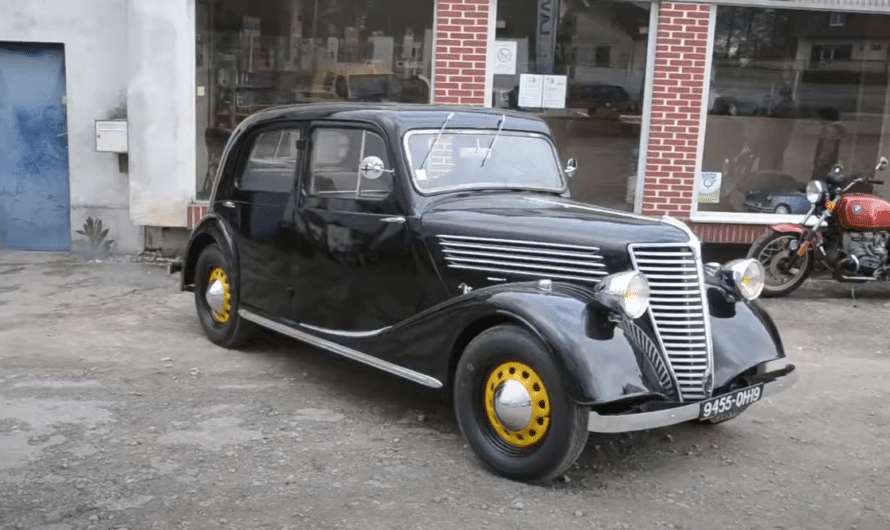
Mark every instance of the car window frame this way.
pixel 393 201
pixel 409 166
pixel 247 147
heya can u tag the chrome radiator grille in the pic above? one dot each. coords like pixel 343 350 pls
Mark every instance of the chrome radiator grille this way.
pixel 534 259
pixel 678 310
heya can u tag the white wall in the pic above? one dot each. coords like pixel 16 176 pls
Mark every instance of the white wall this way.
pixel 94 33
pixel 161 102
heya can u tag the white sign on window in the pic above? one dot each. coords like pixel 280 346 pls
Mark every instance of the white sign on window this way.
pixel 505 57
pixel 709 186
pixel 542 91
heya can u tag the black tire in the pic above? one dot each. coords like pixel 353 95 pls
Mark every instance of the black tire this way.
pixel 776 263
pixel 233 331
pixel 564 437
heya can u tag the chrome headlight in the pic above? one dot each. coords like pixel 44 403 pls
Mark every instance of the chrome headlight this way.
pixel 747 276
pixel 627 292
pixel 815 189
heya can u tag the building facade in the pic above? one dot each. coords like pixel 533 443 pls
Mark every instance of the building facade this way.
pixel 716 112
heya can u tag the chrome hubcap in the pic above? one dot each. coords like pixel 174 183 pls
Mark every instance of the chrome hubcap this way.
pixel 513 405
pixel 216 296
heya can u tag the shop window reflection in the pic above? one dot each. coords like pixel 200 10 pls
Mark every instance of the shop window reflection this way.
pixel 792 94
pixel 255 55
pixel 601 49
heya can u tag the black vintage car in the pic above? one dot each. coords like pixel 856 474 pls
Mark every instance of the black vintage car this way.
pixel 440 244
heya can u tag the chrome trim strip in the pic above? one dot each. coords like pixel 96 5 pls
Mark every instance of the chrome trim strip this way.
pixel 538 244
pixel 527 273
pixel 533 267
pixel 458 246
pixel 400 371
pixel 348 334
pixel 464 254
pixel 662 418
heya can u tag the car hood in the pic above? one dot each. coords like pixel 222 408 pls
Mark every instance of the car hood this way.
pixel 548 219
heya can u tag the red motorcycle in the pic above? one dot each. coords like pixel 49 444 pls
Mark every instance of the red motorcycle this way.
pixel 849 237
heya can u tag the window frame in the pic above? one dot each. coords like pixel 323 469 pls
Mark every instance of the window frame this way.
pixel 307 183
pixel 250 143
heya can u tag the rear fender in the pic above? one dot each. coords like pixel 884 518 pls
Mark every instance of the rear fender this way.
pixel 211 229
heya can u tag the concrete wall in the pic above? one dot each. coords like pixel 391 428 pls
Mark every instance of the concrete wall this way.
pixel 94 34
pixel 161 104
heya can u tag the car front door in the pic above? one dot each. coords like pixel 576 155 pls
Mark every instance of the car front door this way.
pixel 362 265
pixel 258 203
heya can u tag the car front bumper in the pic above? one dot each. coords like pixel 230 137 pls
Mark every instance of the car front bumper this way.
pixel 776 376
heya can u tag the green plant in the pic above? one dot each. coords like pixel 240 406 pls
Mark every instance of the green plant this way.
pixel 96 236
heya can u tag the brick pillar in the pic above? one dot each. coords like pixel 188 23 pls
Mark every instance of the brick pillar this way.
pixel 681 47
pixel 461 52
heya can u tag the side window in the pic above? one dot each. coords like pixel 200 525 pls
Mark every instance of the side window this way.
pixel 335 165
pixel 272 166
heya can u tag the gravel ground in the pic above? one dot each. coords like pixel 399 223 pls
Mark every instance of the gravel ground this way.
pixel 116 412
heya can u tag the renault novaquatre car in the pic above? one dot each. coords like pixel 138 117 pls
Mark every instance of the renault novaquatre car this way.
pixel 441 245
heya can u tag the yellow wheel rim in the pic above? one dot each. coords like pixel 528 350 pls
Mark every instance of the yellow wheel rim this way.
pixel 536 429
pixel 218 275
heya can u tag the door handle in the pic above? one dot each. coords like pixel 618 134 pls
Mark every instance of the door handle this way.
pixel 228 204
pixel 398 219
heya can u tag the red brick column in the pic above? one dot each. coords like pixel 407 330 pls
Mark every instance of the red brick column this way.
pixel 461 52
pixel 681 47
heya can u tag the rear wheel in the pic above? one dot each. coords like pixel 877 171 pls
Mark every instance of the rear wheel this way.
pixel 513 408
pixel 785 269
pixel 216 299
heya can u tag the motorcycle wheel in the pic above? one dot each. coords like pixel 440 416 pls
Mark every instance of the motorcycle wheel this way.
pixel 785 270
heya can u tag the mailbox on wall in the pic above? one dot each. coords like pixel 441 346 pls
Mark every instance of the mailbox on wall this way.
pixel 111 136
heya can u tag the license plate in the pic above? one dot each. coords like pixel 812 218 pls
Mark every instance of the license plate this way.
pixel 731 403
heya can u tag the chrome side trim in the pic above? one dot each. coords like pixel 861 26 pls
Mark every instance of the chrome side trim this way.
pixel 348 334
pixel 400 371
pixel 652 420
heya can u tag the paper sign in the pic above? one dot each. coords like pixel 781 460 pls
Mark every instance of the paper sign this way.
pixel 709 186
pixel 554 96
pixel 531 90
pixel 505 57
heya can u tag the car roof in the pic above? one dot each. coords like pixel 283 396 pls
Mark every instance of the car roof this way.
pixel 401 117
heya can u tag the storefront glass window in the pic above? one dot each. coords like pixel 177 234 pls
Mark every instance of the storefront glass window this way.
pixel 792 93
pixel 254 55
pixel 600 50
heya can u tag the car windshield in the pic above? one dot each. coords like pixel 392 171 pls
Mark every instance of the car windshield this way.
pixel 373 85
pixel 518 160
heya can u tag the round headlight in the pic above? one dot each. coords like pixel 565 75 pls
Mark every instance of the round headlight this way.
pixel 748 276
pixel 627 292
pixel 815 189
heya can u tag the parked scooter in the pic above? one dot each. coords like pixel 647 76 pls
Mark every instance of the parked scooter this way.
pixel 850 236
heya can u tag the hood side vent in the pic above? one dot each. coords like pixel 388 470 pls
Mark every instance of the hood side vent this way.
pixel 526 259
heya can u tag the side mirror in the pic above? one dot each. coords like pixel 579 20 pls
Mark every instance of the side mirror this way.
pixel 571 167
pixel 372 167
pixel 882 165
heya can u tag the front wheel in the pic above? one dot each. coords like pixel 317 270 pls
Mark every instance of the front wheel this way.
pixel 785 269
pixel 512 406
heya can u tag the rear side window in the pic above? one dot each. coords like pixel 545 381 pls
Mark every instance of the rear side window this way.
pixel 272 166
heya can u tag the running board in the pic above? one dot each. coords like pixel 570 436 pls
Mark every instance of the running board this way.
pixel 394 369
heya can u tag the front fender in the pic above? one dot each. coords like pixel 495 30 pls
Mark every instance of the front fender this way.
pixel 743 336
pixel 784 228
pixel 601 363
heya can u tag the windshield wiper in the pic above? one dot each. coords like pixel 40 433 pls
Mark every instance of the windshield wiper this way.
pixel 422 166
pixel 495 139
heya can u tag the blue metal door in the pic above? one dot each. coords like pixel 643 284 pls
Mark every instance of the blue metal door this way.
pixel 34 194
